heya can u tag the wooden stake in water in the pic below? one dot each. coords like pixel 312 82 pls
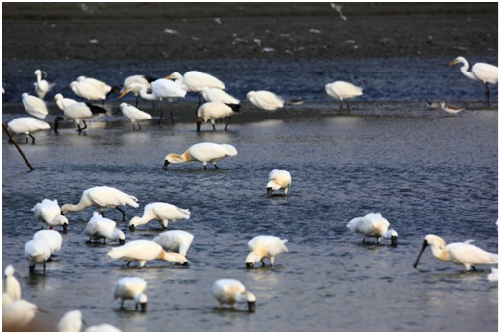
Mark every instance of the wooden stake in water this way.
pixel 17 146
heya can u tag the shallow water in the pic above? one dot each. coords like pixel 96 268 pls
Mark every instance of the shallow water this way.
pixel 424 173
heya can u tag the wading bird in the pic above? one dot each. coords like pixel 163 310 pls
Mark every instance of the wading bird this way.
pixel 134 114
pixel 48 211
pixel 133 288
pixel 342 90
pixel 34 106
pixel 54 239
pixel 265 100
pixel 450 108
pixel 175 241
pixel 143 251
pixel 27 125
pixel 99 227
pixel 278 179
pixel 373 225
pixel 265 246
pixel 37 251
pixel 480 71
pixel 203 152
pixel 162 212
pixel 78 112
pixel 215 110
pixel 102 198
pixel 231 291
pixel 42 87
pixel 145 80
pixel 457 252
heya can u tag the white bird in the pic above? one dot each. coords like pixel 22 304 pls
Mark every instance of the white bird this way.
pixel 102 197
pixel 145 80
pixel 18 315
pixel 99 227
pixel 87 91
pixel 34 106
pixel 480 71
pixel 71 321
pixel 373 225
pixel 103 328
pixel 99 85
pixel 37 251
pixel 231 291
pixel 54 239
pixel 215 110
pixel 194 81
pixel 265 100
pixel 12 286
pixel 217 95
pixel 48 211
pixel 63 102
pixel 342 90
pixel 457 252
pixel 78 112
pixel 162 212
pixel 134 114
pixel 143 251
pixel 27 126
pixel 133 288
pixel 42 87
pixel 450 108
pixel 493 276
pixel 265 246
pixel 175 241
pixel 203 152
pixel 278 179
pixel 160 89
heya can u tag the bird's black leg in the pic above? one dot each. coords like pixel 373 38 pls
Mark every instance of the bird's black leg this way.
pixel 161 112
pixel 84 127
pixel 487 94
pixel 127 266
pixel 32 268
pixel 44 267
pixel 341 105
pixel 122 211
pixel 348 108
pixel 133 126
pixel 32 139
pixel 227 123
pixel 139 125
pixel 473 268
pixel 213 126
pixel 263 264
pixel 136 101
pixel 199 104
pixel 171 115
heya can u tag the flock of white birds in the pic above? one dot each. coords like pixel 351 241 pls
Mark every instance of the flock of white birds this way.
pixel 173 246
pixel 218 103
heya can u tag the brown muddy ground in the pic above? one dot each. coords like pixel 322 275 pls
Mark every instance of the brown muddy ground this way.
pixel 177 31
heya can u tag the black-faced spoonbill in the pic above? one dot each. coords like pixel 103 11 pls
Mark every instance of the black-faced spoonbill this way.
pixel 211 111
pixel 42 87
pixel 203 152
pixel 12 286
pixel 217 95
pixel 133 288
pixel 102 198
pixel 342 90
pixel 278 179
pixel 27 126
pixel 54 239
pixel 480 71
pixel 265 246
pixel 457 252
pixel 162 212
pixel 134 114
pixel 78 112
pixel 48 211
pixel 37 251
pixel 373 225
pixel 99 227
pixel 231 291
pixel 143 251
pixel 266 100
pixel 175 241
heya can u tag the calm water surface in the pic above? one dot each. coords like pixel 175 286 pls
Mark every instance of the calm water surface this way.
pixel 425 174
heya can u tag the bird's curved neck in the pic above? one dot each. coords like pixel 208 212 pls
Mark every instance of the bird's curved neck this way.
pixel 177 159
pixel 440 252
pixel 146 96
pixel 465 70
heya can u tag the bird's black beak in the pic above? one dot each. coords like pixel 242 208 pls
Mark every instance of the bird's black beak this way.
pixel 165 166
pixel 144 307
pixel 249 265
pixel 420 254
pixel 394 241
pixel 131 228
pixel 251 306
pixel 185 264
pixel 269 192
pixel 65 227
pixel 198 123
pixel 122 241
